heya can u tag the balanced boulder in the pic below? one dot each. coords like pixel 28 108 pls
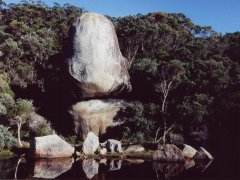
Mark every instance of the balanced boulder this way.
pixel 97 65
pixel 51 146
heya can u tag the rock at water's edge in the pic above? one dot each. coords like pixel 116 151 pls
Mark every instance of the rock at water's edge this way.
pixel 51 146
pixel 134 148
pixel 169 153
pixel 91 143
pixel 113 146
pixel 188 151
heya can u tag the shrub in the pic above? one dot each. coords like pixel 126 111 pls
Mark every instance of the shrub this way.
pixel 4 86
pixel 6 138
pixel 3 110
pixel 72 140
pixel 38 125
pixel 139 122
pixel 6 100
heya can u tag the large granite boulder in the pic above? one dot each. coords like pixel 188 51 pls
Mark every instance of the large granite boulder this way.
pixel 168 153
pixel 97 65
pixel 90 144
pixel 95 116
pixel 51 146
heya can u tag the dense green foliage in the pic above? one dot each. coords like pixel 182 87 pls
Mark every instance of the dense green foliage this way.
pixel 202 65
pixel 6 138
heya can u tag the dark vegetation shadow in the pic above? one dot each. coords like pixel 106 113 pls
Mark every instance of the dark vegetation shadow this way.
pixel 54 99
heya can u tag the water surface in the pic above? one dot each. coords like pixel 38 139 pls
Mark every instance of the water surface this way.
pixel 104 169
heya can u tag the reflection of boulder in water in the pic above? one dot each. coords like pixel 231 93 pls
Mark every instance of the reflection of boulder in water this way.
pixel 115 165
pixel 169 169
pixel 135 161
pixel 90 167
pixel 51 168
pixel 202 164
pixel 189 163
pixel 7 168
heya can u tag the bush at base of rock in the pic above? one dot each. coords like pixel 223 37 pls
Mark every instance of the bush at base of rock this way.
pixel 38 125
pixel 6 138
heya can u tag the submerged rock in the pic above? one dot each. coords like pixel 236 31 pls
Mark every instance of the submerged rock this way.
pixel 169 153
pixel 51 146
pixel 97 65
pixel 188 151
pixel 95 116
pixel 91 143
pixel 90 167
pixel 51 168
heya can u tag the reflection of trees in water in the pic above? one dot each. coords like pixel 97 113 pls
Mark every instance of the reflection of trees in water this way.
pixel 7 168
pixel 168 169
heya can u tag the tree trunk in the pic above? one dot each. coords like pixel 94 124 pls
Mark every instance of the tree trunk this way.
pixel 164 133
pixel 19 133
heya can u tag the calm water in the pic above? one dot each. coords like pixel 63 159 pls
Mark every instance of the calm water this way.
pixel 105 169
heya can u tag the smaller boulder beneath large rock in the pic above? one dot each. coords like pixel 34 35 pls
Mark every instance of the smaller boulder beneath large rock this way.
pixel 95 115
pixel 91 143
pixel 188 151
pixel 51 146
pixel 168 153
pixel 113 146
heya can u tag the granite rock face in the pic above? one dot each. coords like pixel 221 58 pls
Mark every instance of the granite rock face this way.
pixel 95 116
pixel 51 146
pixel 97 65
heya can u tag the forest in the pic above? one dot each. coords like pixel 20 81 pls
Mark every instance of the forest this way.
pixel 185 77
